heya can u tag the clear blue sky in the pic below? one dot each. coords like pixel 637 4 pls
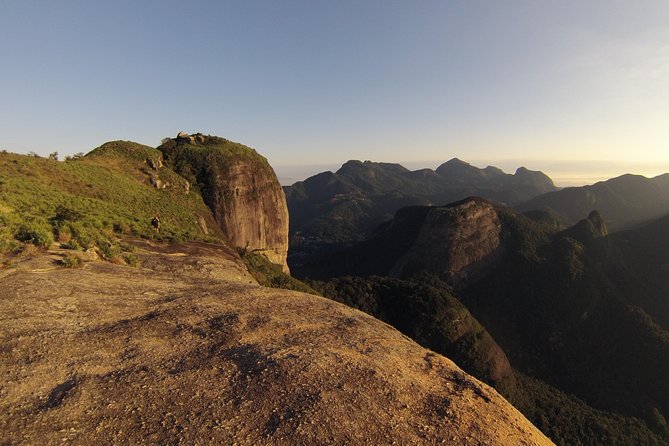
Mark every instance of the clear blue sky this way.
pixel 313 82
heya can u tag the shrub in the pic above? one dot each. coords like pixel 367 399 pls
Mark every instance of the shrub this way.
pixel 270 274
pixel 75 157
pixel 28 250
pixel 65 214
pixel 71 261
pixel 86 237
pixel 72 244
pixel 127 247
pixel 109 250
pixel 38 235
pixel 8 245
pixel 121 228
pixel 130 259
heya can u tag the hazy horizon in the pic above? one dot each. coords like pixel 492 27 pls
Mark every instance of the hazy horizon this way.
pixel 563 173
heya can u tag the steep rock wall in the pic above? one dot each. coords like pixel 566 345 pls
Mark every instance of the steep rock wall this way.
pixel 241 189
pixel 455 241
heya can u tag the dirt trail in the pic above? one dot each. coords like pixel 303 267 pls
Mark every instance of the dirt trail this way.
pixel 187 349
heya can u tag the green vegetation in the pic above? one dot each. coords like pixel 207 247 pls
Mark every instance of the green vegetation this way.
pixel 270 274
pixel 569 421
pixel 71 261
pixel 94 200
pixel 200 163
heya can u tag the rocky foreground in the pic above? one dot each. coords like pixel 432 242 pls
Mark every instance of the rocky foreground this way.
pixel 188 349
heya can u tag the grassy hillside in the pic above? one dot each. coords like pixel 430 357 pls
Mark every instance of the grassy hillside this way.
pixel 91 200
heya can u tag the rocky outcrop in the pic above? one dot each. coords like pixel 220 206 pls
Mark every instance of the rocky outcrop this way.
pixel 240 188
pixel 455 242
pixel 588 229
pixel 186 351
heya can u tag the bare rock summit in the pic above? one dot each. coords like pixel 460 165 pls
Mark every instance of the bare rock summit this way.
pixel 187 350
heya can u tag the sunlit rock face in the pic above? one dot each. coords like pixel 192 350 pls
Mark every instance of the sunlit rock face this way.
pixel 240 188
pixel 455 242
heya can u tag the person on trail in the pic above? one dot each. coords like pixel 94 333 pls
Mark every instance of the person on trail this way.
pixel 155 222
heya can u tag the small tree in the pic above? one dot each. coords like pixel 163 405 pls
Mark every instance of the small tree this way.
pixel 53 156
pixel 76 156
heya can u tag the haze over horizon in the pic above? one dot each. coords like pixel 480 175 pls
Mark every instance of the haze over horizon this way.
pixel 563 173
pixel 310 83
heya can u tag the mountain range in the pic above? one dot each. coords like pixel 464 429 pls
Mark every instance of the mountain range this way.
pixel 331 209
pixel 623 201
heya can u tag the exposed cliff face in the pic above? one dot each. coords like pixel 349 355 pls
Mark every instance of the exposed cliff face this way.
pixel 241 189
pixel 192 353
pixel 249 205
pixel 455 241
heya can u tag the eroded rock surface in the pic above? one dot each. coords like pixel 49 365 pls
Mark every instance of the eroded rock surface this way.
pixel 187 350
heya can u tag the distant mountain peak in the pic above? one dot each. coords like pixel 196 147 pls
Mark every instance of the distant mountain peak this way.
pixel 456 161
pixel 459 170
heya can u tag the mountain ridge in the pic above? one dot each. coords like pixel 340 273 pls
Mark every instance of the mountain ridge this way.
pixel 623 201
pixel 337 208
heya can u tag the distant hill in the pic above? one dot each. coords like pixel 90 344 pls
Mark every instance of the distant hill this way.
pixel 330 209
pixel 622 201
